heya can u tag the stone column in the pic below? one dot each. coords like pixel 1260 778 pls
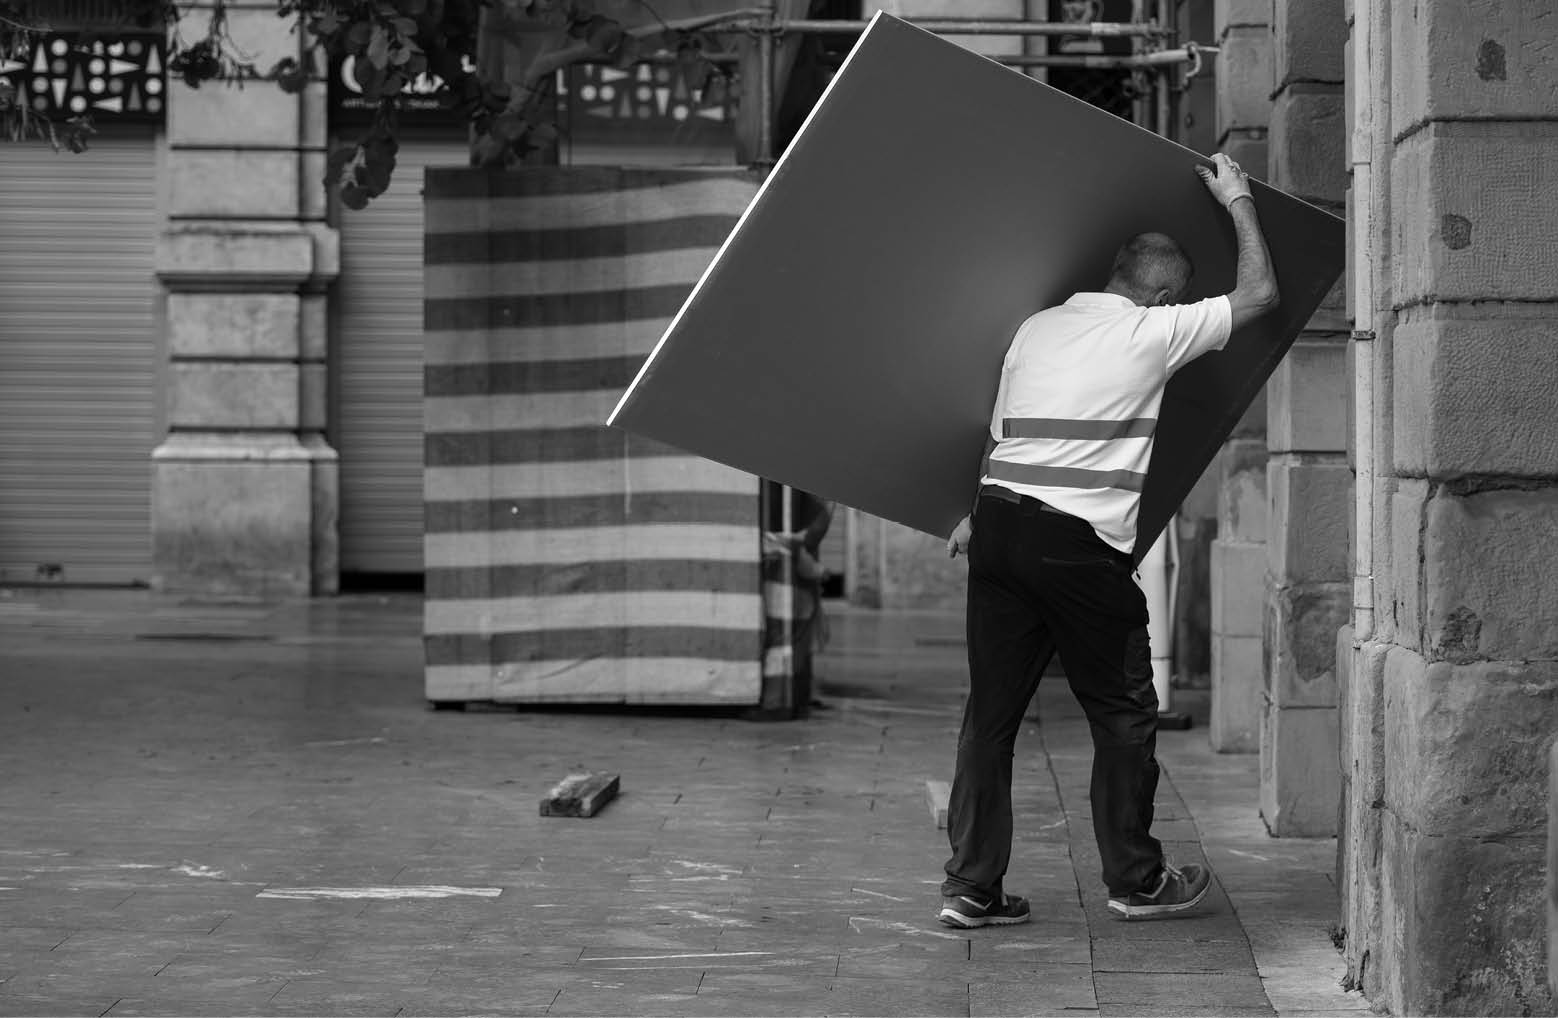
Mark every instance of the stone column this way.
pixel 244 484
pixel 1308 582
pixel 1238 564
pixel 1471 646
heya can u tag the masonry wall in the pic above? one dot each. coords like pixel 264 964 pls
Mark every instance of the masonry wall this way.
pixel 244 490
pixel 1308 576
pixel 1453 693
pixel 1238 554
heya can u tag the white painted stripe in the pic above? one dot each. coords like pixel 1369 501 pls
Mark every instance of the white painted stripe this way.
pixel 671 267
pixel 599 610
pixel 626 680
pixel 675 680
pixel 553 343
pixel 205 872
pixel 646 475
pixel 389 893
pixel 773 175
pixel 505 413
pixel 721 194
pixel 669 957
pixel 566 546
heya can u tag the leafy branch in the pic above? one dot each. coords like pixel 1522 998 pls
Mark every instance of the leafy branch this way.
pixel 390 46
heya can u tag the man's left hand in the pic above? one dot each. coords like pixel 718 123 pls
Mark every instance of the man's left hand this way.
pixel 958 542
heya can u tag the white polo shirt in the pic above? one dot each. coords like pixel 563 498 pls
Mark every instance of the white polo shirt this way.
pixel 1077 408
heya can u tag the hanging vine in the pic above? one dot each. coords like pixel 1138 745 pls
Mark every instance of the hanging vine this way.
pixel 391 45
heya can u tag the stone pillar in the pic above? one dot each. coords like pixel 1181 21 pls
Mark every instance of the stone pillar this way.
pixel 244 484
pixel 1308 584
pixel 1238 555
pixel 1467 599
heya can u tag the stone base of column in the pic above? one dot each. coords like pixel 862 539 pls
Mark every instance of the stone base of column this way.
pixel 1238 585
pixel 1300 783
pixel 244 513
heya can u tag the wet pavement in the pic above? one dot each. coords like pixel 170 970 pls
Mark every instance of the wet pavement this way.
pixel 241 807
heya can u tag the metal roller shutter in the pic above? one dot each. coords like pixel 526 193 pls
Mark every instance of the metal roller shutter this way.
pixel 79 359
pixel 378 426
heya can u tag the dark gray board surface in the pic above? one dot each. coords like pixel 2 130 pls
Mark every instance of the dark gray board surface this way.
pixel 848 337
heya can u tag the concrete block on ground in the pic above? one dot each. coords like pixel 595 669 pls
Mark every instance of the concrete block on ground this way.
pixel 1309 142
pixel 1307 399
pixel 1466 745
pixel 1244 80
pixel 1464 923
pixel 1238 588
pixel 1311 508
pixel 227 394
pixel 1308 37
pixel 581 795
pixel 1241 503
pixel 1481 220
pixel 1238 694
pixel 1488 576
pixel 1474 59
pixel 232 514
pixel 1300 643
pixel 234 325
pixel 1300 778
pixel 1473 390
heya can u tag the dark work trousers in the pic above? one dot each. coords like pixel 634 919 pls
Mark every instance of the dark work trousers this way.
pixel 1040 582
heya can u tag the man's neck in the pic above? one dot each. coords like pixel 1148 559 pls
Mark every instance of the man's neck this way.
pixel 1120 291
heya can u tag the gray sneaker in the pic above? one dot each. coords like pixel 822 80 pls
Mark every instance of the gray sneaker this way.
pixel 966 912
pixel 1178 889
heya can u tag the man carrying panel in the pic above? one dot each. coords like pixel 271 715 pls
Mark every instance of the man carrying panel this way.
pixel 1071 437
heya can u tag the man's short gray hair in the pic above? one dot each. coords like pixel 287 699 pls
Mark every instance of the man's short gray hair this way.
pixel 1150 262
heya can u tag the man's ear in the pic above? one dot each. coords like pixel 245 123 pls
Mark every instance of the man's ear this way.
pixel 1161 297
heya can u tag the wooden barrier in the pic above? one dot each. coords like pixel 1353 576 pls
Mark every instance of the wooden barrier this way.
pixel 567 561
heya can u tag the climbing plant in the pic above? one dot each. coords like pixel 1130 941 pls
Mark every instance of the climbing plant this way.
pixel 392 44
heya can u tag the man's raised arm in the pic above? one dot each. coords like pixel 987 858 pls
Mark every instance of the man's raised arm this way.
pixel 1255 283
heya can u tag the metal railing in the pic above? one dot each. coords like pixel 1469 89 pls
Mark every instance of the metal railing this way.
pixel 1153 53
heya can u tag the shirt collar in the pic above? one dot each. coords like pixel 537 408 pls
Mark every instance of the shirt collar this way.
pixel 1100 300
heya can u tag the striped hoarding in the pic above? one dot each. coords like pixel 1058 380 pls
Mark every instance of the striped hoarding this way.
pixel 567 561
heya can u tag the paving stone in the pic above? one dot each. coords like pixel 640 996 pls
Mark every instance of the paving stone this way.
pixel 1045 992
pixel 1181 1011
pixel 805 844
pixel 1176 955
pixel 64 1003
pixel 1217 989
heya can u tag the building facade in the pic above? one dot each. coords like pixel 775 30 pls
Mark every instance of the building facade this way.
pixel 210 381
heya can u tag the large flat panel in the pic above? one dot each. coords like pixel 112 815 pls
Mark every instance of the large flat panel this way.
pixel 848 337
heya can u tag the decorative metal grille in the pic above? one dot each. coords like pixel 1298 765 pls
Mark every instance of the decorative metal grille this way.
pixel 66 74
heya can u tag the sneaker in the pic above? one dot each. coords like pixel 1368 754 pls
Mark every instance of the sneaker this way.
pixel 968 913
pixel 1177 890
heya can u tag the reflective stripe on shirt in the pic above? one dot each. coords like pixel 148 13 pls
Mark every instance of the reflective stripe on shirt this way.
pixel 1065 477
pixel 1061 427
